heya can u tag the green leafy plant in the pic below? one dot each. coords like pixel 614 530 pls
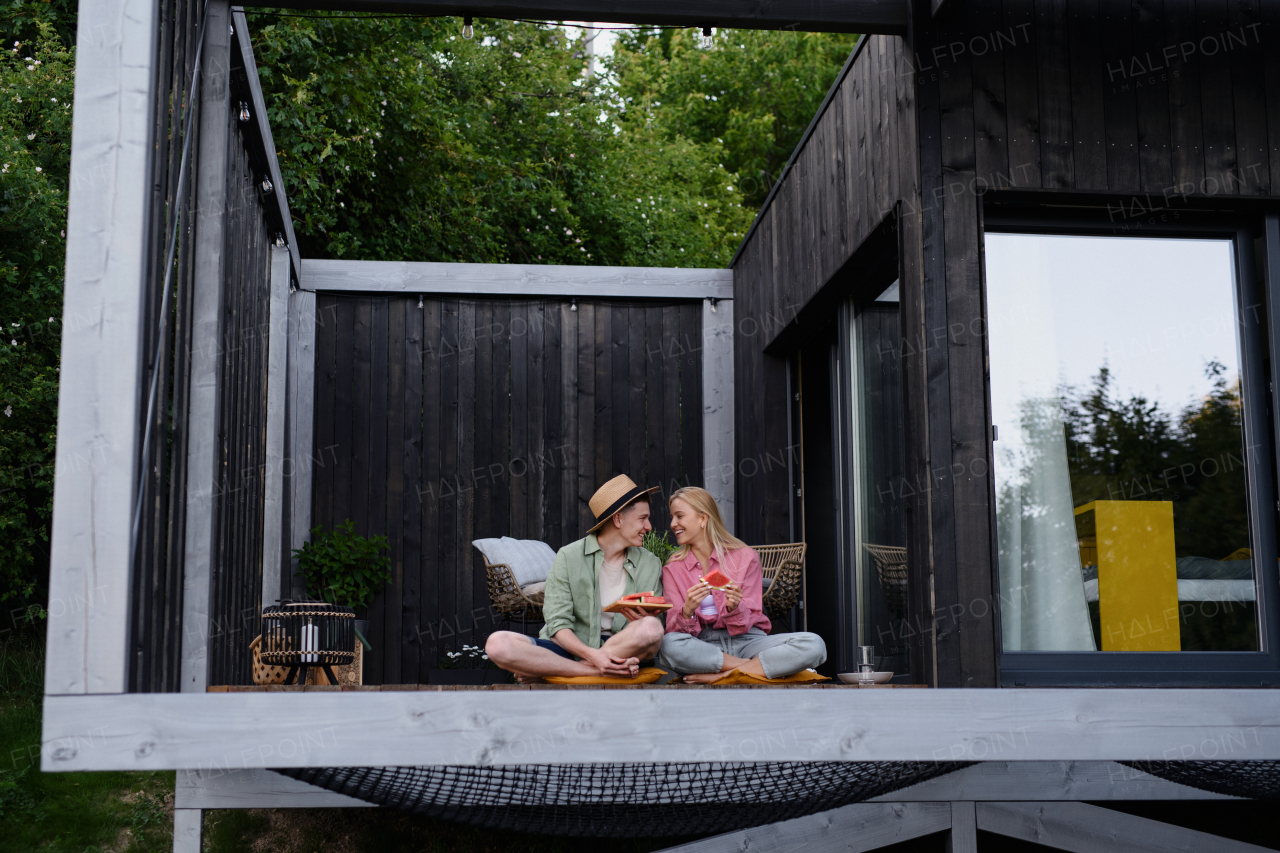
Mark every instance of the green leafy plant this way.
pixel 343 567
pixel 660 546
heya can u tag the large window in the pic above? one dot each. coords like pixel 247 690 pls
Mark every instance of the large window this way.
pixel 1126 448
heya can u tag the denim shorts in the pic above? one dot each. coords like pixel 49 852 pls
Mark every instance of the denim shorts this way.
pixel 553 646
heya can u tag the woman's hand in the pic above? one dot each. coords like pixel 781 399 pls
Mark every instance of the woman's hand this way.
pixel 693 598
pixel 732 596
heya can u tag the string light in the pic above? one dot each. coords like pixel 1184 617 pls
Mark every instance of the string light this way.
pixel 244 111
pixel 266 185
pixel 468 31
pixel 706 38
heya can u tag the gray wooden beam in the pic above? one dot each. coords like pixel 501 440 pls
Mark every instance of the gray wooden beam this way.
pixel 254 789
pixel 516 280
pixel 303 455
pixel 99 411
pixel 484 727
pixel 717 405
pixel 844 16
pixel 1048 780
pixel 258 109
pixel 188 830
pixel 850 829
pixel 1083 828
pixel 273 504
pixel 206 343
pixel 963 837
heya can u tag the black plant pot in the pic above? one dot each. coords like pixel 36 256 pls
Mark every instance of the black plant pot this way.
pixel 468 676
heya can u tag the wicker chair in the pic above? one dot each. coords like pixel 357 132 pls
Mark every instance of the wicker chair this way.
pixel 891 568
pixel 783 576
pixel 508 599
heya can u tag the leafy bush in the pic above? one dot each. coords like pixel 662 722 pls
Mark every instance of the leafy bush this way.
pixel 342 567
pixel 35 136
pixel 660 546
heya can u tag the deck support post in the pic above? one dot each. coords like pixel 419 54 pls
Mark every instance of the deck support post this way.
pixel 963 837
pixel 717 404
pixel 101 388
pixel 206 343
pixel 188 830
pixel 300 429
pixel 274 526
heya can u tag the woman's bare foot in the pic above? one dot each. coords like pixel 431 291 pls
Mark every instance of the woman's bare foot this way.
pixel 705 677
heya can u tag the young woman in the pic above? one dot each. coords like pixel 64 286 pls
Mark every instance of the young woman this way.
pixel 711 632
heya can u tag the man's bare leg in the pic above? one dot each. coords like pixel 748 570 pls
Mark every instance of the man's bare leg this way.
pixel 637 641
pixel 518 654
pixel 752 667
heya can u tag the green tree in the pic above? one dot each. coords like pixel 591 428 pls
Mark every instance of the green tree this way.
pixel 35 134
pixel 751 94
pixel 398 139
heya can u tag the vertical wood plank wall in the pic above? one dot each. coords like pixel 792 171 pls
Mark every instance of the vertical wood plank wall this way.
pixel 478 418
pixel 1086 96
pixel 239 494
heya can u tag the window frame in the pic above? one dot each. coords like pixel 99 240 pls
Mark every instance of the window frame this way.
pixel 1256 309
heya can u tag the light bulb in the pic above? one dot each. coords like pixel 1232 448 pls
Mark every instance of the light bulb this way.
pixel 468 31
pixel 244 111
pixel 266 185
pixel 706 38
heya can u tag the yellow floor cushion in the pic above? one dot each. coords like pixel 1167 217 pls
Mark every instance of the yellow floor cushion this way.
pixel 648 675
pixel 804 676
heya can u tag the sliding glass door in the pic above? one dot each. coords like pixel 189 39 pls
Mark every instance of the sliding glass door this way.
pixel 875 523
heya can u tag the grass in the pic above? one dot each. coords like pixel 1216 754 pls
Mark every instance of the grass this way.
pixel 73 812
pixel 133 812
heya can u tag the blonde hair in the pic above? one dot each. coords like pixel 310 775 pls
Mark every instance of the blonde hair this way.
pixel 702 503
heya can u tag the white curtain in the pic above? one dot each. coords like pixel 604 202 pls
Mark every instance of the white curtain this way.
pixel 1042 599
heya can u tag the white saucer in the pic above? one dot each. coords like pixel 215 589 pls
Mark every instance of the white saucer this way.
pixel 877 677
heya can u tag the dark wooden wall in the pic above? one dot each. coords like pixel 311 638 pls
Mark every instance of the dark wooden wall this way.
pixel 469 419
pixel 235 600
pixel 1099 101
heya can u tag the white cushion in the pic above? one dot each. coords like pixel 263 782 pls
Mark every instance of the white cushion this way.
pixel 534 588
pixel 529 559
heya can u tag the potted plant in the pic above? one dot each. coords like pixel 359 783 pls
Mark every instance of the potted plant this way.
pixel 342 567
pixel 658 545
pixel 470 665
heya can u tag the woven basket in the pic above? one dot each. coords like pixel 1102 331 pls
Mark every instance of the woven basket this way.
pixel 348 674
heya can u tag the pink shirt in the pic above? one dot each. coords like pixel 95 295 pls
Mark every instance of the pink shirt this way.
pixel 743 568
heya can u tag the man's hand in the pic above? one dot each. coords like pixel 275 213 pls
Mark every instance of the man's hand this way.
pixel 693 598
pixel 633 614
pixel 609 665
pixel 732 596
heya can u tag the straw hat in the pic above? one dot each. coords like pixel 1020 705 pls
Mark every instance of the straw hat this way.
pixel 613 496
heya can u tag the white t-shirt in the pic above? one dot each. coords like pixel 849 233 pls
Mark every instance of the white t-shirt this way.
pixel 613 585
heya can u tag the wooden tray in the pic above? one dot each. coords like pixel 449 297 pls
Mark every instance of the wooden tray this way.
pixel 619 606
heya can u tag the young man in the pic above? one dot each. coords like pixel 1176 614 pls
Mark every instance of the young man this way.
pixel 588 575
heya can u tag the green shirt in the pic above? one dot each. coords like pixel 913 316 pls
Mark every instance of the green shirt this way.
pixel 572 596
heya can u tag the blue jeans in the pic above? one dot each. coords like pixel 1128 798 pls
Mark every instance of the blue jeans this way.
pixel 553 646
pixel 780 654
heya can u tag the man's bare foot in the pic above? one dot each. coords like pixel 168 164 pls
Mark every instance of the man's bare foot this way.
pixel 528 679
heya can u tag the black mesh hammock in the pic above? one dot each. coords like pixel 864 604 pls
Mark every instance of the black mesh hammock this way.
pixel 1256 780
pixel 624 800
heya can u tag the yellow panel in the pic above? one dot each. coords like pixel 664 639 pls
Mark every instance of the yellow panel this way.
pixel 1137 575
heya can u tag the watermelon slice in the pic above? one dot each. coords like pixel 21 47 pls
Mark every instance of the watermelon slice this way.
pixel 717 579
pixel 643 598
